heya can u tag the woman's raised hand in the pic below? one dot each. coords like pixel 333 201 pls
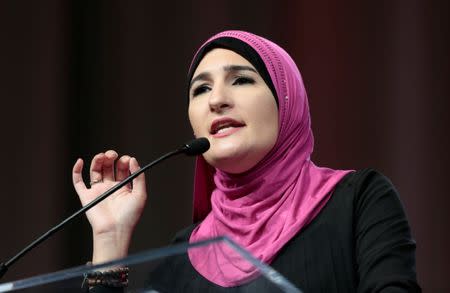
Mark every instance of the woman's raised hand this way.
pixel 114 219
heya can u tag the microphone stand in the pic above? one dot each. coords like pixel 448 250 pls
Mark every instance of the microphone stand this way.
pixel 190 148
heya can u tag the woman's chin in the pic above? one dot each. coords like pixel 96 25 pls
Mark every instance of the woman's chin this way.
pixel 230 162
pixel 233 168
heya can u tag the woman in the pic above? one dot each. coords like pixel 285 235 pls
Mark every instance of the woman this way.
pixel 325 230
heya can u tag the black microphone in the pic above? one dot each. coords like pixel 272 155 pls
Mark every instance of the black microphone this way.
pixel 192 148
pixel 195 147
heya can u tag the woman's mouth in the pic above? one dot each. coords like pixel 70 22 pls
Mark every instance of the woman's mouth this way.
pixel 224 127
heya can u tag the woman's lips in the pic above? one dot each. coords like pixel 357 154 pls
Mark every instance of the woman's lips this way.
pixel 226 131
pixel 224 127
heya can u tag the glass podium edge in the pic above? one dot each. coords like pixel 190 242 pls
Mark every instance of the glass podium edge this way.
pixel 153 254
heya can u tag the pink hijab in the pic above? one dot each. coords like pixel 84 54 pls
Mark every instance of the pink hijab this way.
pixel 265 207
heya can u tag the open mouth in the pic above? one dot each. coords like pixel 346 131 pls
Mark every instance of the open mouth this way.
pixel 224 126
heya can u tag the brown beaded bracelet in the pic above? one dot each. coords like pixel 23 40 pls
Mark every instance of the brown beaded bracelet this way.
pixel 117 277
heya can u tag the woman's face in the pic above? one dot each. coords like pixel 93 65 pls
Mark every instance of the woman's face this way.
pixel 231 105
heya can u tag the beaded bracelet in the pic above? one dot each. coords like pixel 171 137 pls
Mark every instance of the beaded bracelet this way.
pixel 117 277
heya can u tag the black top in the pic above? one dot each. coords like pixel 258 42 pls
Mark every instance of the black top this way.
pixel 359 242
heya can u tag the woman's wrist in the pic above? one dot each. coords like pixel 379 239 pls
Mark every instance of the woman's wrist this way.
pixel 110 246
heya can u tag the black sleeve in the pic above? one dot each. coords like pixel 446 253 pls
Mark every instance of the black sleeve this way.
pixel 385 250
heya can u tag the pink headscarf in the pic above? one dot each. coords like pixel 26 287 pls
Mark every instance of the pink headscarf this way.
pixel 265 207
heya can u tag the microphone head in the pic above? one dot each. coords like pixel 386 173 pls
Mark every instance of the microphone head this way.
pixel 195 147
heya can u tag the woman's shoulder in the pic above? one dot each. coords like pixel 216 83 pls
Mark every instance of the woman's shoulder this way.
pixel 363 191
pixel 365 177
pixel 365 182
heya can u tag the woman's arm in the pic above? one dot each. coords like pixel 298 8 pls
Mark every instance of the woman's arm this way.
pixel 385 250
pixel 113 220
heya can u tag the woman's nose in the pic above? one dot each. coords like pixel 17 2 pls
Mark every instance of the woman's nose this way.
pixel 219 99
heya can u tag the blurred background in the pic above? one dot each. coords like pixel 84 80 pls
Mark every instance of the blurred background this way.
pixel 78 77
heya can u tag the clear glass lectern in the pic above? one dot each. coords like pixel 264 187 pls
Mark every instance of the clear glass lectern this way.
pixel 144 266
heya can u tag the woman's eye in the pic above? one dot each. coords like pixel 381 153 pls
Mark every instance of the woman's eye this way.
pixel 243 80
pixel 200 90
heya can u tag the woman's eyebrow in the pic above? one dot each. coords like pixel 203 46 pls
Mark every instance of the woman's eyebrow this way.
pixel 239 68
pixel 201 76
pixel 227 68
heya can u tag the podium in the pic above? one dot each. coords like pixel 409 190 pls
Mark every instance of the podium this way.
pixel 148 272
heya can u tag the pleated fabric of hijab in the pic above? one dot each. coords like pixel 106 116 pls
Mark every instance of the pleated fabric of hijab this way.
pixel 265 207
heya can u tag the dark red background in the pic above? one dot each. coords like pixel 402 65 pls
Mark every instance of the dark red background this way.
pixel 82 76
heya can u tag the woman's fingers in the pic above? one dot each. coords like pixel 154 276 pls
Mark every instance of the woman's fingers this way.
pixel 122 168
pixel 77 177
pixel 139 182
pixel 108 165
pixel 96 169
pixel 102 170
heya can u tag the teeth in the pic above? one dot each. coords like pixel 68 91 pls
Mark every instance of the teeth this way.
pixel 223 129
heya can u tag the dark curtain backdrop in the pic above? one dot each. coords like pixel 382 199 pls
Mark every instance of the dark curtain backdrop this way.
pixel 83 76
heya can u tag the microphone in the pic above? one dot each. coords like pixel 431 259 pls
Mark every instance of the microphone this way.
pixel 191 148
pixel 195 147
